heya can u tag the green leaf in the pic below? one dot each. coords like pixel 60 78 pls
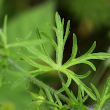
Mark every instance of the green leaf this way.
pixel 50 39
pixel 31 62
pixel 71 96
pixel 90 50
pixel 27 21
pixel 38 33
pixel 74 48
pixel 42 57
pixel 58 100
pixel 106 87
pixel 84 75
pixel 67 84
pixel 100 56
pixel 79 82
pixel 18 82
pixel 79 95
pixel 41 46
pixel 34 95
pixel 53 27
pixel 85 57
pixel 41 93
pixel 58 21
pixel 96 92
pixel 50 103
pixel 67 32
pixel 18 73
pixel 90 64
pixel 65 107
pixel 85 98
pixel 37 99
pixel 49 95
pixel 107 96
pixel 59 34
pixel 81 58
pixel 40 71
pixel 26 43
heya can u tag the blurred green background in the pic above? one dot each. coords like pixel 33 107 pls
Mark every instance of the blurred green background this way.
pixel 90 21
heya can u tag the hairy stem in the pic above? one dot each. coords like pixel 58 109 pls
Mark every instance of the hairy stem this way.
pixel 40 83
pixel 61 77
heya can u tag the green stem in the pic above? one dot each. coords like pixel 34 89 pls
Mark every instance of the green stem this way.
pixel 40 83
pixel 61 77
pixel 100 104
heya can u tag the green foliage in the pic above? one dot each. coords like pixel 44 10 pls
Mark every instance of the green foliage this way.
pixel 101 99
pixel 59 47
pixel 20 27
pixel 50 98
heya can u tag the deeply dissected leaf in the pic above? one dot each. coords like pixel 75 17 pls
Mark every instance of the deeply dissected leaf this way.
pixel 85 98
pixel 41 93
pixel 59 34
pixel 106 88
pixel 17 82
pixel 50 39
pixel 79 82
pixel 71 96
pixel 90 64
pixel 39 71
pixel 100 56
pixel 58 66
pixel 53 27
pixel 79 95
pixel 58 21
pixel 96 92
pixel 26 43
pixel 31 62
pixel 58 100
pixel 84 75
pixel 107 96
pixel 67 32
pixel 67 84
pixel 74 48
pixel 50 103
pixel 34 95
pixel 104 95
pixel 91 49
pixel 49 95
pixel 41 46
pixel 27 21
pixel 41 56
pixel 18 73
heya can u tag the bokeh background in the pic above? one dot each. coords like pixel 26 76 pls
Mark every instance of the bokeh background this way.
pixel 90 21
